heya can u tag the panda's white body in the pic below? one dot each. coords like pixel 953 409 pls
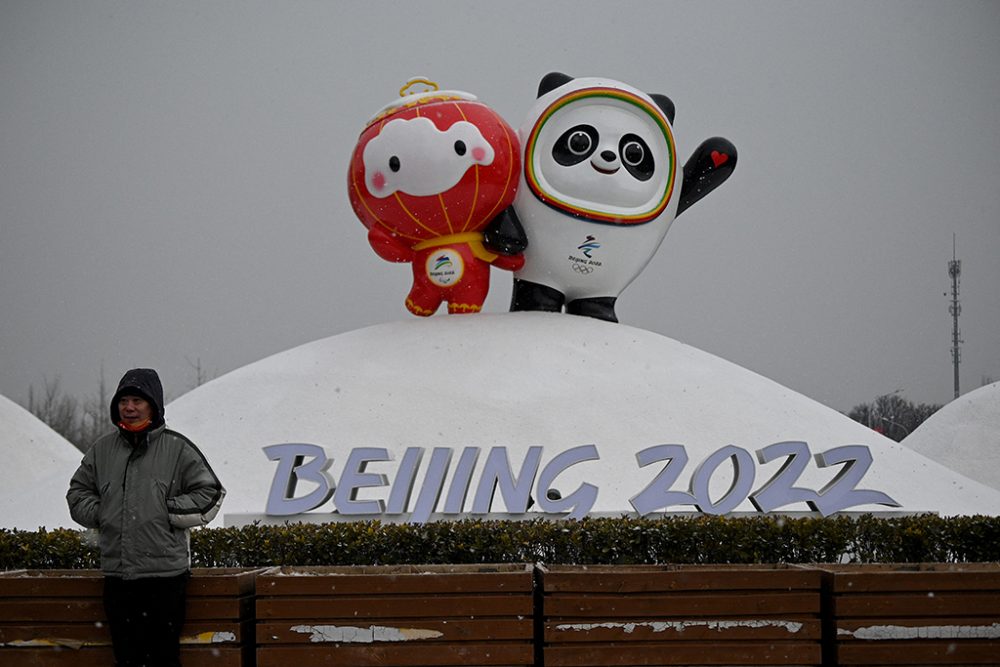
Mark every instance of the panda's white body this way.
pixel 591 231
pixel 556 254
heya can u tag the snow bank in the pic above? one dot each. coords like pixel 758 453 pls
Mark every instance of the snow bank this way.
pixel 38 464
pixel 964 435
pixel 523 379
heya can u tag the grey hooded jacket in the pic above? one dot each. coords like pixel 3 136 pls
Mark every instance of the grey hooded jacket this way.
pixel 143 492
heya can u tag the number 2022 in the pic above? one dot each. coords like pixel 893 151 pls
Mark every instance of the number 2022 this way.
pixel 838 494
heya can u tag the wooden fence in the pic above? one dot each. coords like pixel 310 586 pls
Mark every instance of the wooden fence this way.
pixel 396 616
pixel 56 618
pixel 519 615
pixel 931 614
pixel 681 615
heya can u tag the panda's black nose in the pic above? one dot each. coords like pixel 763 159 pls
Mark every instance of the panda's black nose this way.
pixel 609 156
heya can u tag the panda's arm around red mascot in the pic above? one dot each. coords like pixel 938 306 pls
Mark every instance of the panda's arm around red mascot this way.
pixel 505 236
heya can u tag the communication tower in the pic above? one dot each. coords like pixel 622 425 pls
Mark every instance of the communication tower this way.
pixel 955 308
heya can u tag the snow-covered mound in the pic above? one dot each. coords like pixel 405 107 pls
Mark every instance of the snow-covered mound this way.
pixel 520 379
pixel 964 435
pixel 34 477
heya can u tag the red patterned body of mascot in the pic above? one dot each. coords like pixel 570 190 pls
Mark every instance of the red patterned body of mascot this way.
pixel 430 177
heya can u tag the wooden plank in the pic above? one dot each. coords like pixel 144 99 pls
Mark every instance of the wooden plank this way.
pixel 51 583
pixel 435 655
pixel 616 579
pixel 395 583
pixel 776 629
pixel 872 582
pixel 694 653
pixel 222 582
pixel 902 605
pixel 87 610
pixel 382 570
pixel 102 657
pixel 201 609
pixel 65 634
pixel 904 568
pixel 216 656
pixel 920 653
pixel 489 629
pixel 76 635
pixel 437 606
pixel 91 610
pixel 228 582
pixel 633 606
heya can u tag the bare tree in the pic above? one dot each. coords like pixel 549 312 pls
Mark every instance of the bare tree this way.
pixel 80 423
pixel 892 415
pixel 201 376
pixel 55 409
pixel 94 421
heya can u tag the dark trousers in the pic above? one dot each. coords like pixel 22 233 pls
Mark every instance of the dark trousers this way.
pixel 146 616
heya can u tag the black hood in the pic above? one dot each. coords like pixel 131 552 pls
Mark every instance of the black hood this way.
pixel 143 382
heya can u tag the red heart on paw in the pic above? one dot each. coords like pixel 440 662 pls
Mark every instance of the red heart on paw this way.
pixel 719 159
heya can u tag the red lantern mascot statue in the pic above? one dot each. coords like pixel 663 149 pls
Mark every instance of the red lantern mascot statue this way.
pixel 432 178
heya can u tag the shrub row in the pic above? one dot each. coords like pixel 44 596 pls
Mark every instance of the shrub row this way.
pixel 618 541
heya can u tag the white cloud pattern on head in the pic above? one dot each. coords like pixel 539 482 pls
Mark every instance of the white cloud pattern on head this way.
pixel 414 157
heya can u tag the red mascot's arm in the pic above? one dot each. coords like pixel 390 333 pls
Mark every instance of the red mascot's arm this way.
pixel 389 247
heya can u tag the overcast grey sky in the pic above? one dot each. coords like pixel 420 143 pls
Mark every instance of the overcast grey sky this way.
pixel 173 177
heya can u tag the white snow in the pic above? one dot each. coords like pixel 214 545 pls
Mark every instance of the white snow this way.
pixel 964 435
pixel 38 464
pixel 523 379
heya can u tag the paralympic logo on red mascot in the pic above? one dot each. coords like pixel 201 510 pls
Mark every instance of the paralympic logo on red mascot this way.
pixel 432 178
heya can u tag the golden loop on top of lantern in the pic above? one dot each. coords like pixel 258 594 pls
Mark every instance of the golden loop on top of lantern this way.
pixel 409 88
pixel 412 94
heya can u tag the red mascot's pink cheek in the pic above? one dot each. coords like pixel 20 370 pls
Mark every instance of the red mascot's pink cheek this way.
pixel 478 153
pixel 378 181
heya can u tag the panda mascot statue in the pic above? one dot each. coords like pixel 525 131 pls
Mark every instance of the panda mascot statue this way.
pixel 599 188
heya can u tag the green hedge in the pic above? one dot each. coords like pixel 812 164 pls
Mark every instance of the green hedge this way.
pixel 700 539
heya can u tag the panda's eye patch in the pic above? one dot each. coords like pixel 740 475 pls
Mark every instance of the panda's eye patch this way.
pixel 575 145
pixel 460 147
pixel 637 157
pixel 394 163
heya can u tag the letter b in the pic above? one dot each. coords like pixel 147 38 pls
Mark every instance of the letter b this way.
pixel 281 500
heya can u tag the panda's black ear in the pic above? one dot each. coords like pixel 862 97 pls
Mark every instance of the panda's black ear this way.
pixel 666 104
pixel 551 81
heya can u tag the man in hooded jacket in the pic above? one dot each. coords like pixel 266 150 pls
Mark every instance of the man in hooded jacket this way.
pixel 143 487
